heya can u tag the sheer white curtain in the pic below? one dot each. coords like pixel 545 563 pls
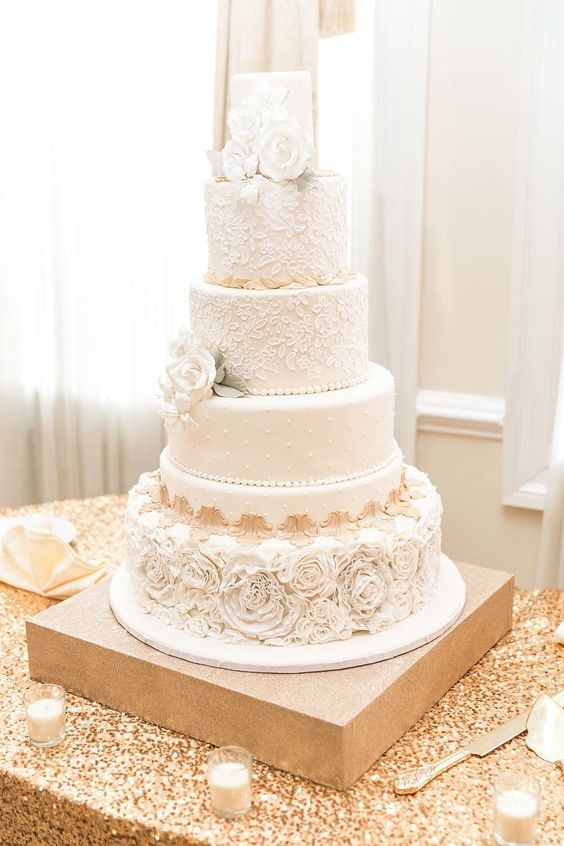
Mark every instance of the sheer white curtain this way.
pixel 106 109
pixel 551 558
pixel 390 102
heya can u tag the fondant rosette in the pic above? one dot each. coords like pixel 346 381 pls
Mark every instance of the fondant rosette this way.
pixel 161 583
pixel 400 598
pixel 405 557
pixel 426 578
pixel 324 621
pixel 311 573
pixel 266 142
pixel 199 615
pixel 198 573
pixel 253 602
pixel 364 581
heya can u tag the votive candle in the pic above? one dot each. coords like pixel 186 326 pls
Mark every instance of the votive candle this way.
pixel 229 780
pixel 515 810
pixel 45 714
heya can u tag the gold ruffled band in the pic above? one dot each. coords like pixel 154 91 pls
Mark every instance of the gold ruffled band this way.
pixel 255 527
pixel 270 283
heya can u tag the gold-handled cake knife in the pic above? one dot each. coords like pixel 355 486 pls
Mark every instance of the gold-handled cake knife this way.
pixel 414 780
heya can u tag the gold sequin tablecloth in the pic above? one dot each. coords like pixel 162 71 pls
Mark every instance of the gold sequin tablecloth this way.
pixel 118 780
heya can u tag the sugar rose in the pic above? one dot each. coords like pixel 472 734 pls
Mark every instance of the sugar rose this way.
pixel 283 148
pixel 245 120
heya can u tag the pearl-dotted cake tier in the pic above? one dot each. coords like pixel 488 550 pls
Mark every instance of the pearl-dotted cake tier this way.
pixel 287 235
pixel 277 503
pixel 286 341
pixel 311 439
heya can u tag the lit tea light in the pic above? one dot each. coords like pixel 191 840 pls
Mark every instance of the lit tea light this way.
pixel 45 713
pixel 229 780
pixel 516 810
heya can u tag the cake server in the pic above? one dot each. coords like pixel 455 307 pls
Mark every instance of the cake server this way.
pixel 413 780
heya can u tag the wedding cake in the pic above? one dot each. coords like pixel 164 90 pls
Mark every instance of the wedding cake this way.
pixel 282 511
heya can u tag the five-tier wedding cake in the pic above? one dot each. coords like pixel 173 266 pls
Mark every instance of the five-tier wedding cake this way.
pixel 282 512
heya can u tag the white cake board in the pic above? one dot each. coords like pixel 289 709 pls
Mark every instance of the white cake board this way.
pixel 362 648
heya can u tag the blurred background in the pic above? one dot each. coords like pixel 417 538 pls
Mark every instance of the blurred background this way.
pixel 446 117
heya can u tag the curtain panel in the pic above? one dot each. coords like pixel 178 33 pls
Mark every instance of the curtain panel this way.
pixel 102 168
pixel 272 35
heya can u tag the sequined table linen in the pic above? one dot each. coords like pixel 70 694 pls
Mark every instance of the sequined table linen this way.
pixel 118 780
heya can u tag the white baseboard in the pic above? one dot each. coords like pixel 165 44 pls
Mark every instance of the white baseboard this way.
pixel 452 413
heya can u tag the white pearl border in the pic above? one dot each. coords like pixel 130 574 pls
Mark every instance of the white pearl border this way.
pixel 310 389
pixel 282 483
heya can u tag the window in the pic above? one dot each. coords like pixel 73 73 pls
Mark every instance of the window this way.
pixel 536 314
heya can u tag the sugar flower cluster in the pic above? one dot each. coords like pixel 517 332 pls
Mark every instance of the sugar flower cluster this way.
pixel 193 373
pixel 266 142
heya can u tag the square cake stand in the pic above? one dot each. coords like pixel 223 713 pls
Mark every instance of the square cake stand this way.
pixel 328 726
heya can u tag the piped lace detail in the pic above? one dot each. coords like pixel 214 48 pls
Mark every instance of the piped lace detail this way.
pixel 287 233
pixel 290 342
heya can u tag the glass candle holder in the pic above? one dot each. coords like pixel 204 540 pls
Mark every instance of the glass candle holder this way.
pixel 45 712
pixel 516 809
pixel 229 780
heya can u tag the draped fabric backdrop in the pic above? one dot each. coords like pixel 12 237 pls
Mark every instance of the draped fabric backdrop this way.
pixel 271 35
pixel 106 113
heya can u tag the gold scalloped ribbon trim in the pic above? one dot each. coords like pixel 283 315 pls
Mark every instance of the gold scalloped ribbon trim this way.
pixel 255 527
pixel 252 525
pixel 271 283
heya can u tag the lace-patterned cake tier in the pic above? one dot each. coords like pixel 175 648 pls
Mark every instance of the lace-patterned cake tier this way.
pixel 285 341
pixel 287 234
pixel 279 592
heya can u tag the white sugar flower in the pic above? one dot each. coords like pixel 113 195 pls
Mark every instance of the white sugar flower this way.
pixel 188 379
pixel 248 191
pixel 239 163
pixel 183 342
pixel 245 120
pixel 191 378
pixel 283 148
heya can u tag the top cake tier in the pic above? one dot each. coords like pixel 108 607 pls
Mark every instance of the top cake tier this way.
pixel 273 222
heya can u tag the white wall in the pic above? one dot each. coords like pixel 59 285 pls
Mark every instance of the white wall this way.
pixel 469 205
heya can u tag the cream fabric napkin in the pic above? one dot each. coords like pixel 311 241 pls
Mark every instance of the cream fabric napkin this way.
pixel 43 563
pixel 545 728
